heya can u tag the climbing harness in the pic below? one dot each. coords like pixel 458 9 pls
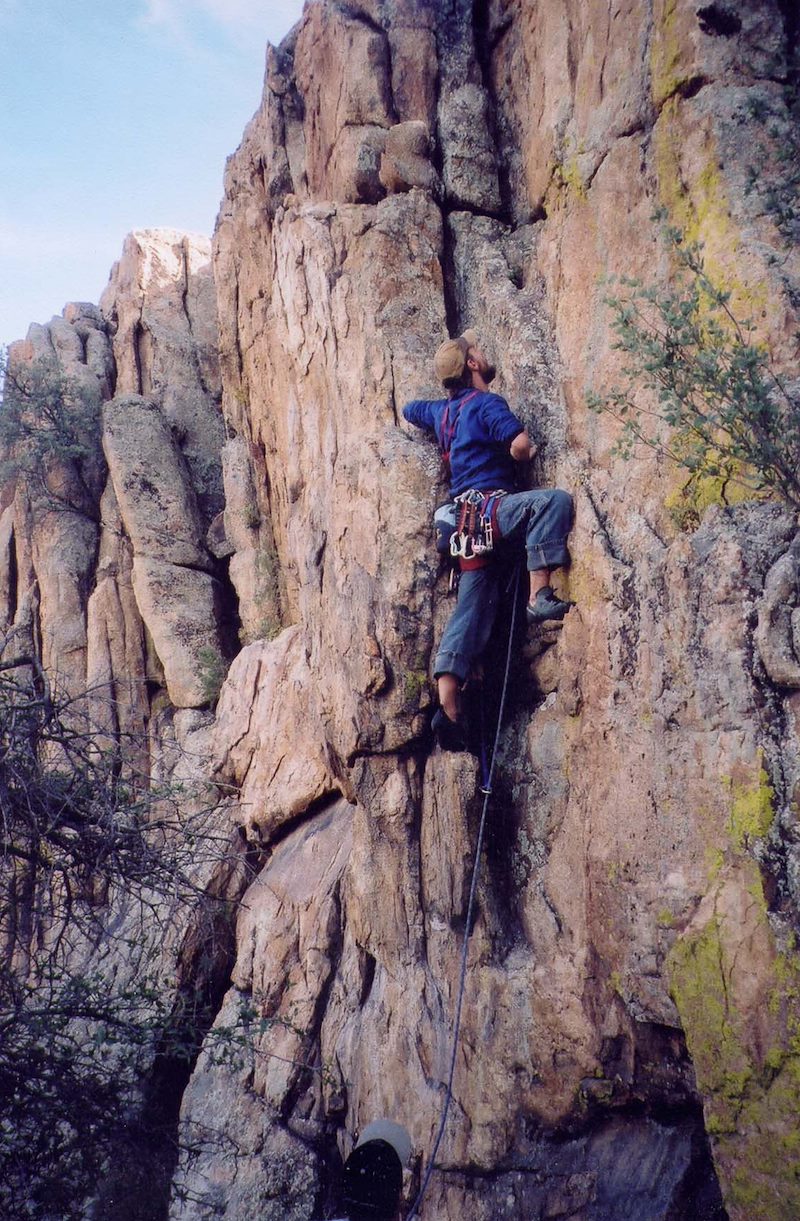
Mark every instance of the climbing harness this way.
pixel 448 426
pixel 487 790
pixel 476 527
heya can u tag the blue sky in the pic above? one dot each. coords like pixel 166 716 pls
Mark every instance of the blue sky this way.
pixel 115 115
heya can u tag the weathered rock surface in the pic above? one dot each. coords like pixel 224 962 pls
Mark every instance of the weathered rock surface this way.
pixel 629 1036
pixel 122 589
pixel 291 916
pixel 171 572
pixel 276 771
pixel 553 137
pixel 161 311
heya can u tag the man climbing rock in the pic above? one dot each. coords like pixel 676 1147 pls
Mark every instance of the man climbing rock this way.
pixel 483 444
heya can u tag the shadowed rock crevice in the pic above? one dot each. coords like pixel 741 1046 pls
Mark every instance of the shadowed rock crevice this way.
pixel 719 20
pixel 489 30
pixel 633 1164
pixel 12 592
pixel 138 1181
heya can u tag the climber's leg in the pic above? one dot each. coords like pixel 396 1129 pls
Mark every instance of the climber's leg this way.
pixel 470 625
pixel 464 639
pixel 543 518
pixel 450 695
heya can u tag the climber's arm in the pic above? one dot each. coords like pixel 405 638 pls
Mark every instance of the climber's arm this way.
pixel 522 448
pixel 420 412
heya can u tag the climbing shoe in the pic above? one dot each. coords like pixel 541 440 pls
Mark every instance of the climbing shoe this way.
pixel 547 606
pixel 449 734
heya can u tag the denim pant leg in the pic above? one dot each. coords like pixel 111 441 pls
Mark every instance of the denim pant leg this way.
pixel 543 518
pixel 470 625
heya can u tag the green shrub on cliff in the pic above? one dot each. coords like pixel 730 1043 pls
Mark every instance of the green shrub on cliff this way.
pixel 775 177
pixel 699 387
pixel 100 869
pixel 50 430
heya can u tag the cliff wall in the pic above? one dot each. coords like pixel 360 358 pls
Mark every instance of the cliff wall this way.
pixel 629 1041
pixel 414 167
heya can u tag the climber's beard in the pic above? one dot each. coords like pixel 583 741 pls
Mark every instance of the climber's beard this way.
pixel 489 373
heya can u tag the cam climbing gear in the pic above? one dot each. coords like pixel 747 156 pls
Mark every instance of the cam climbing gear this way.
pixel 476 528
pixel 487 790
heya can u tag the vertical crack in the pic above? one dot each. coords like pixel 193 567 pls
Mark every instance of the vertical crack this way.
pixel 791 33
pixel 13 579
pixel 483 48
pixel 452 304
pixel 136 343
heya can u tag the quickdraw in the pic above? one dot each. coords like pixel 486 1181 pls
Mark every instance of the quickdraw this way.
pixel 476 525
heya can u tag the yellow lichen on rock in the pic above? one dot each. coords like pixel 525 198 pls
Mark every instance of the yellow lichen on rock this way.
pixel 696 195
pixel 667 78
pixel 739 1003
pixel 752 810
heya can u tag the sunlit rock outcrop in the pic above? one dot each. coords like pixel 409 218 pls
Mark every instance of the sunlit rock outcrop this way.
pixel 348 244
pixel 629 1038
pixel 120 583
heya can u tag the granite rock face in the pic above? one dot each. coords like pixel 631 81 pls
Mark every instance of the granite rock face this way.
pixel 629 1034
pixel 416 168
pixel 161 311
pixel 121 586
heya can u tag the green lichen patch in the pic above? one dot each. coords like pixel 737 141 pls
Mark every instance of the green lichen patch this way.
pixel 567 175
pixel 667 75
pixel 415 684
pixel 699 989
pixel 689 499
pixel 701 209
pixel 742 1025
pixel 765 1182
pixel 752 811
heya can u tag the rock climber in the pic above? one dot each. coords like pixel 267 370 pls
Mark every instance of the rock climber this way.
pixel 483 444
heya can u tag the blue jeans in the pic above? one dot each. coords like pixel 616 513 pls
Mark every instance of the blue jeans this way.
pixel 542 520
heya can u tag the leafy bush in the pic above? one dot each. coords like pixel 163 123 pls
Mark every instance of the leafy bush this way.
pixel 50 431
pixel 712 400
pixel 775 178
pixel 101 870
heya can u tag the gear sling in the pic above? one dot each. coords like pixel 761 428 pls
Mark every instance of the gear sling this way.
pixel 474 529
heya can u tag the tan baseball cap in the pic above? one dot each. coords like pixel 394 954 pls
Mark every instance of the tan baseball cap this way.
pixel 451 358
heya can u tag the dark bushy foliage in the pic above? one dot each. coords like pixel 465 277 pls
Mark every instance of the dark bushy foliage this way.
pixel 713 402
pixel 99 867
pixel 50 434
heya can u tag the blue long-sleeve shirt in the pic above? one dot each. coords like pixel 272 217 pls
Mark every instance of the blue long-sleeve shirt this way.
pixel 477 427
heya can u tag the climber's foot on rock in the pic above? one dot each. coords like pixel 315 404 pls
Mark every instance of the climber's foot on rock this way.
pixel 547 606
pixel 450 735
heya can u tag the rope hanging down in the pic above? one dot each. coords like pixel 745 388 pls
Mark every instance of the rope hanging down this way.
pixel 487 790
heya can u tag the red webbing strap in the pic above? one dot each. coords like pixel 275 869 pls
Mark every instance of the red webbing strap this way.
pixel 448 430
pixel 475 561
pixel 496 531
